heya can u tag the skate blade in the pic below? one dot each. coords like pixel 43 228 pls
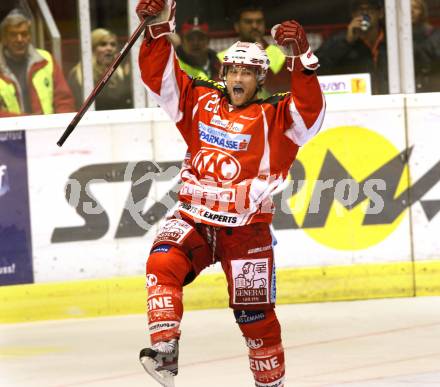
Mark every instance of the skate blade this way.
pixel 164 377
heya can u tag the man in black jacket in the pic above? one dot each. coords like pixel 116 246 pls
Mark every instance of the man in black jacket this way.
pixel 426 44
pixel 361 48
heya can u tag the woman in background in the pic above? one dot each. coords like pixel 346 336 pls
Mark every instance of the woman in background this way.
pixel 117 92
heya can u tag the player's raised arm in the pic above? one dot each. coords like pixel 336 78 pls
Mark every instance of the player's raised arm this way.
pixel 306 106
pixel 160 71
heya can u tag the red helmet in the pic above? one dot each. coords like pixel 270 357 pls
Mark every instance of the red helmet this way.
pixel 248 55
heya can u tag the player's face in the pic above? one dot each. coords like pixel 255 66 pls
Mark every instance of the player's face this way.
pixel 105 51
pixel 251 26
pixel 241 83
pixel 17 39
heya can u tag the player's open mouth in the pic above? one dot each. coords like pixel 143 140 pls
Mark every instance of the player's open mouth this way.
pixel 238 91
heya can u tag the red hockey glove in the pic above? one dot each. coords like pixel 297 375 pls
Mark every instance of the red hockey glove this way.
pixel 147 8
pixel 291 34
pixel 162 14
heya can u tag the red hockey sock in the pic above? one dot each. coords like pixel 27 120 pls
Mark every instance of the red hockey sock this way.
pixel 262 333
pixel 267 365
pixel 167 268
pixel 165 310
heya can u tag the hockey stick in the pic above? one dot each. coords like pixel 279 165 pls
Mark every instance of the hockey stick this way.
pixel 92 96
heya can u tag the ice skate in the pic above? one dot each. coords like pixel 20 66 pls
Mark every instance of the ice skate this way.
pixel 160 361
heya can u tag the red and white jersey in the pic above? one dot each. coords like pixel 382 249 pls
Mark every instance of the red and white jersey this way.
pixel 237 156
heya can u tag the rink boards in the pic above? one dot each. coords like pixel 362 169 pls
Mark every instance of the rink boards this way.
pixel 84 254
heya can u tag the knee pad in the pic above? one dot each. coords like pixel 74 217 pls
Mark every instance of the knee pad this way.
pixel 262 333
pixel 167 265
pixel 167 268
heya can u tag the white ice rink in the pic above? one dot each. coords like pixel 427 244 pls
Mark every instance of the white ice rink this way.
pixel 380 343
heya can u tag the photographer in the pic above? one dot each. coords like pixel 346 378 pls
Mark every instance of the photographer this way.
pixel 361 48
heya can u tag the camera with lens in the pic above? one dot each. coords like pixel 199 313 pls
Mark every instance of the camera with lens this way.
pixel 366 22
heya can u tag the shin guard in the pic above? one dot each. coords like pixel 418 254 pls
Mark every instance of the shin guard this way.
pixel 262 333
pixel 167 268
pixel 165 311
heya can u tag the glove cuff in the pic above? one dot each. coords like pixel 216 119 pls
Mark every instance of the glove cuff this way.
pixel 308 61
pixel 157 30
pixel 164 23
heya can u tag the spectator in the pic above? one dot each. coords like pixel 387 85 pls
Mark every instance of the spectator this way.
pixel 195 56
pixel 117 92
pixel 426 42
pixel 361 48
pixel 250 26
pixel 31 82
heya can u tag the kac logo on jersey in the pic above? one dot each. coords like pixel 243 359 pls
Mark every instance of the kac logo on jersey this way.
pixel 223 139
pixel 4 180
pixel 216 165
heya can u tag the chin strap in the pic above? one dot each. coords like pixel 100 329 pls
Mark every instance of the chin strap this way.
pixel 164 24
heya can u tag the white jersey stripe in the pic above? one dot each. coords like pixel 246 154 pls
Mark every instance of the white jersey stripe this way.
pixel 262 184
pixel 298 132
pixel 169 92
pixel 264 168
pixel 196 107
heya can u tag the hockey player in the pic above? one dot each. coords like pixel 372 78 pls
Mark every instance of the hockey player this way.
pixel 240 149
